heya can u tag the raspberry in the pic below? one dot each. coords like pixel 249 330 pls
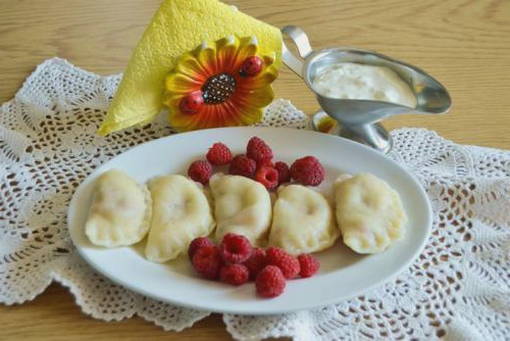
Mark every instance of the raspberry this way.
pixel 258 150
pixel 270 282
pixel 309 265
pixel 235 248
pixel 288 264
pixel 198 243
pixel 242 165
pixel 307 171
pixel 207 262
pixel 265 162
pixel 268 176
pixel 283 172
pixel 256 262
pixel 235 274
pixel 200 171
pixel 219 154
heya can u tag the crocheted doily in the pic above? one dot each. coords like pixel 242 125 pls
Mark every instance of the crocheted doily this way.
pixel 459 287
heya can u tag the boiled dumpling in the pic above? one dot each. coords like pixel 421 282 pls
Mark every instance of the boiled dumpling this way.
pixel 369 213
pixel 303 221
pixel 120 212
pixel 242 206
pixel 181 213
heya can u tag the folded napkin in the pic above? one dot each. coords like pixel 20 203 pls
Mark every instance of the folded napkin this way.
pixel 177 27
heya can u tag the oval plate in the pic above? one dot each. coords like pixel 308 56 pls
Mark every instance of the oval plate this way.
pixel 343 273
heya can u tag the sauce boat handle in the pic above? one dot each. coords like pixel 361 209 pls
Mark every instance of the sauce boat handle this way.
pixel 300 39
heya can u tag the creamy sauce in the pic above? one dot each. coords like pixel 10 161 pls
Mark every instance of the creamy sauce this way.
pixel 358 81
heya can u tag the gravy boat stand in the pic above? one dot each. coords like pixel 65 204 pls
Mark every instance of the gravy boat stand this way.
pixel 359 119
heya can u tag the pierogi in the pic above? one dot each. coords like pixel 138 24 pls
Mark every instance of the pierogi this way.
pixel 181 213
pixel 242 206
pixel 120 212
pixel 303 221
pixel 369 213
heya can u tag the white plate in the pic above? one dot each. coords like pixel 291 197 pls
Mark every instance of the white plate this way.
pixel 343 273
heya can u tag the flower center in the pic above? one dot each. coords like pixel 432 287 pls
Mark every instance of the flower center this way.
pixel 218 88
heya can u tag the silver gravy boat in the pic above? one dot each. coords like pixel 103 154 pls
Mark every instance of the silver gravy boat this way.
pixel 358 119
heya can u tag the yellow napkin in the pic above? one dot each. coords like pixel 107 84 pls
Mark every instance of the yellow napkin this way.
pixel 177 27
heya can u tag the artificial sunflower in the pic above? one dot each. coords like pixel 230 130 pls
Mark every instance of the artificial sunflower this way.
pixel 224 83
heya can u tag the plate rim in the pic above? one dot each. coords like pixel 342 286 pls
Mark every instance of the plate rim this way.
pixel 71 212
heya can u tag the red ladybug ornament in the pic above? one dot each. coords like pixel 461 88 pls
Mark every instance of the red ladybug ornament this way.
pixel 251 66
pixel 192 103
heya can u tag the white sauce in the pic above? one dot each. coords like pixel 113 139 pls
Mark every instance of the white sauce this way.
pixel 358 81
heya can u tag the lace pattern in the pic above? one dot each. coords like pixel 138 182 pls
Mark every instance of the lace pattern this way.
pixel 459 287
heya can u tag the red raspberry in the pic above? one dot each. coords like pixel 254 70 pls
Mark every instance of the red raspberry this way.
pixel 207 262
pixel 288 264
pixel 270 282
pixel 200 171
pixel 265 162
pixel 198 243
pixel 309 265
pixel 235 274
pixel 307 171
pixel 283 172
pixel 219 154
pixel 242 165
pixel 268 176
pixel 256 262
pixel 235 248
pixel 258 150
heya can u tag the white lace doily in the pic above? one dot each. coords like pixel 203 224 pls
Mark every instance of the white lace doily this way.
pixel 458 289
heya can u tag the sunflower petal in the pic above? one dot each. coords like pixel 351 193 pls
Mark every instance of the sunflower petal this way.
pixel 226 52
pixel 266 77
pixel 248 46
pixel 248 114
pixel 259 97
pixel 172 100
pixel 206 57
pixel 189 66
pixel 181 84
pixel 180 121
pixel 252 115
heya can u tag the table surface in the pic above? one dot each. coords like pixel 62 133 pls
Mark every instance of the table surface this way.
pixel 464 44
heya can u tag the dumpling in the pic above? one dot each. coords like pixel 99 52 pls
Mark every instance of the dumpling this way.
pixel 181 213
pixel 241 206
pixel 369 213
pixel 120 212
pixel 303 221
